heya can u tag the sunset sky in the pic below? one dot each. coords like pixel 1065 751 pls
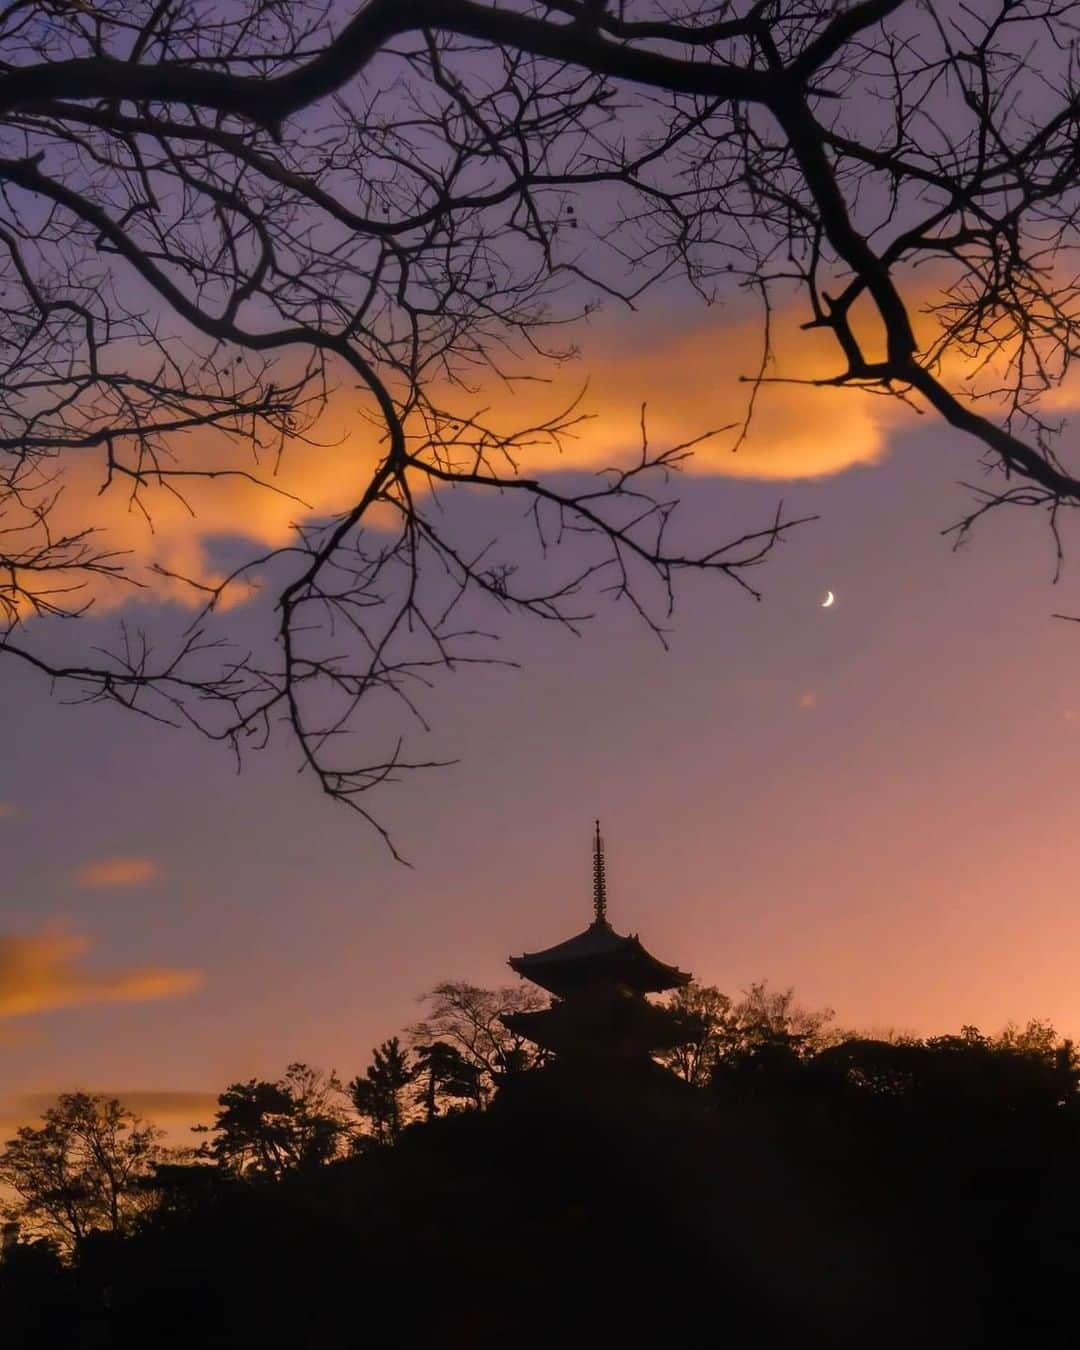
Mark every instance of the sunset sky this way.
pixel 873 803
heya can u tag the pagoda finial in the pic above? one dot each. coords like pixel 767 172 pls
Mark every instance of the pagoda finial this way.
pixel 599 879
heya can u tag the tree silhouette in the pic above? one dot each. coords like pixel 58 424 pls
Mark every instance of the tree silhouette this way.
pixel 469 1019
pixel 833 1191
pixel 379 1095
pixel 443 1073
pixel 178 262
pixel 84 1169
pixel 764 1026
pixel 267 1129
pixel 710 1012
pixel 767 1018
pixel 207 228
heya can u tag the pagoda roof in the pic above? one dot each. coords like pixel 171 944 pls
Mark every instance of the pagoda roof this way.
pixel 607 1024
pixel 598 955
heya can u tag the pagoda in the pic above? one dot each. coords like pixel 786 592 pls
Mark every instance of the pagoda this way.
pixel 600 1019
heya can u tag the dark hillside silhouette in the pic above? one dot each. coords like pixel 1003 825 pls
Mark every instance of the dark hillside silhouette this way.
pixel 836 1194
pixel 798 1204
pixel 601 1169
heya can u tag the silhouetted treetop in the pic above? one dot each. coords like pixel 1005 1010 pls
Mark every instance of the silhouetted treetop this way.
pixel 379 1095
pixel 84 1169
pixel 469 1020
pixel 268 1129
pixel 837 1192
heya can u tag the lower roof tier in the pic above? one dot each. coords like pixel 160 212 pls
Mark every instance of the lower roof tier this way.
pixel 617 1025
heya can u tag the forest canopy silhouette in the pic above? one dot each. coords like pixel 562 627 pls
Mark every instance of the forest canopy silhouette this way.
pixel 318 256
pixel 805 1182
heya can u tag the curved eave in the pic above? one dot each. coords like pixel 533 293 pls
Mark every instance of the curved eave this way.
pixel 636 971
pixel 598 954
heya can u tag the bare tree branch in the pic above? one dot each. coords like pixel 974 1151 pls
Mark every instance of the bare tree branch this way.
pixel 215 223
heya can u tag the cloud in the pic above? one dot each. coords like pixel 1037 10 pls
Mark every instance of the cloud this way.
pixel 690 377
pixel 18 1037
pixel 159 1104
pixel 808 699
pixel 44 971
pixel 7 810
pixel 117 872
pixel 686 368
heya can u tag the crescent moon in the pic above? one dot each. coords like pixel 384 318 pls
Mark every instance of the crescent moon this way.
pixel 829 600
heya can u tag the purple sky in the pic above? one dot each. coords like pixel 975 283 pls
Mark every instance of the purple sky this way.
pixel 873 803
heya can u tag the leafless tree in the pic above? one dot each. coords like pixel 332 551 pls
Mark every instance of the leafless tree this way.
pixel 214 216
pixel 85 1168
pixel 729 1033
pixel 469 1019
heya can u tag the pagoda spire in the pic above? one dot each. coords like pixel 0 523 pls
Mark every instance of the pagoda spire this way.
pixel 599 880
pixel 600 1017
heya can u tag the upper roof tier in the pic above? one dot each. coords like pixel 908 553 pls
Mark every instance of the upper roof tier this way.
pixel 599 955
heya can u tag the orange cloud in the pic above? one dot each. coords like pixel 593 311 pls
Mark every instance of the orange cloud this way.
pixel 693 379
pixel 117 872
pixel 41 972
pixel 686 371
pixel 7 810
pixel 159 1104
pixel 688 368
